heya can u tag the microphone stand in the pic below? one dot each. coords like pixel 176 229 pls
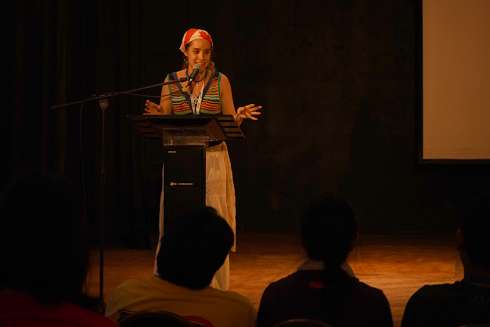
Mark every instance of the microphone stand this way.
pixel 103 101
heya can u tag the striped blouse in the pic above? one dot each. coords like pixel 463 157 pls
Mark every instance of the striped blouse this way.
pixel 181 101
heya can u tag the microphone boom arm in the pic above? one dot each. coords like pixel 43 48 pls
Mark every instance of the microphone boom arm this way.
pixel 117 93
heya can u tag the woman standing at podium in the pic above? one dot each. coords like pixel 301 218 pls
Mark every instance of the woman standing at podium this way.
pixel 205 91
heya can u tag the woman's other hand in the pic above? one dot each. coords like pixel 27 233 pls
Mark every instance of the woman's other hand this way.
pixel 151 108
pixel 250 111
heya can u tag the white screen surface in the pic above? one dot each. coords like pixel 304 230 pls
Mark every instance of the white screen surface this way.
pixel 456 79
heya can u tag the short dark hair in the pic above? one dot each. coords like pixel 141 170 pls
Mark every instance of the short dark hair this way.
pixel 194 247
pixel 474 227
pixel 43 244
pixel 328 230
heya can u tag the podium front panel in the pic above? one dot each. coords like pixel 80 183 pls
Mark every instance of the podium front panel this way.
pixel 184 180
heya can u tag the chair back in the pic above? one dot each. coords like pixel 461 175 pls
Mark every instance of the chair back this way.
pixel 302 323
pixel 199 321
pixel 152 319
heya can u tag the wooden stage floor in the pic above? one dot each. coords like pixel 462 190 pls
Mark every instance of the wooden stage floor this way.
pixel 397 265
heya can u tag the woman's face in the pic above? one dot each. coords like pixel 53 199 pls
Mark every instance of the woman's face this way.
pixel 198 52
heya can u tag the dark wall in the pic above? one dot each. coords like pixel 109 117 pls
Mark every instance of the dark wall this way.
pixel 337 80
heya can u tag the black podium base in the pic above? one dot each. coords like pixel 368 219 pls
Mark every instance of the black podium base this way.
pixel 184 180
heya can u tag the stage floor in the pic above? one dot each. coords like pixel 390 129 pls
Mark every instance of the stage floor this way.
pixel 397 265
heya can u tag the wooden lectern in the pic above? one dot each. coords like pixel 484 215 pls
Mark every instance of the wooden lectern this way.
pixel 183 141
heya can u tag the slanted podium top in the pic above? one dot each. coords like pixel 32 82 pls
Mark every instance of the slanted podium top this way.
pixel 201 130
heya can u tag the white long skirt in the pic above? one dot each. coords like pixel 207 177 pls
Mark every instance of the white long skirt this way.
pixel 220 194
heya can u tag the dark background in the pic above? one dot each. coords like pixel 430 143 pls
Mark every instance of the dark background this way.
pixel 338 79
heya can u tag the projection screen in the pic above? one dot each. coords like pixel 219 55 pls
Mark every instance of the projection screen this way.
pixel 455 80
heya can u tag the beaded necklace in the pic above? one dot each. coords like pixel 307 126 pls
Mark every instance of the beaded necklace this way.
pixel 196 100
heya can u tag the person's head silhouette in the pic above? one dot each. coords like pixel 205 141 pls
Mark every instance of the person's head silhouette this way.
pixel 195 245
pixel 328 231
pixel 474 241
pixel 42 243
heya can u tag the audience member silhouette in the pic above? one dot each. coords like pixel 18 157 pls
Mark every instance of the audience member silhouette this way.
pixel 45 257
pixel 155 319
pixel 321 289
pixel 464 302
pixel 193 248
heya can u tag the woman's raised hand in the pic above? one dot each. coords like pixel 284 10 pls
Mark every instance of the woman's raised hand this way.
pixel 250 111
pixel 151 108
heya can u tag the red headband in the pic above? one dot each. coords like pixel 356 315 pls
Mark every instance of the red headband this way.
pixel 194 34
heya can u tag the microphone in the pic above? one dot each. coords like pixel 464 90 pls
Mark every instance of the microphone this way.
pixel 194 73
